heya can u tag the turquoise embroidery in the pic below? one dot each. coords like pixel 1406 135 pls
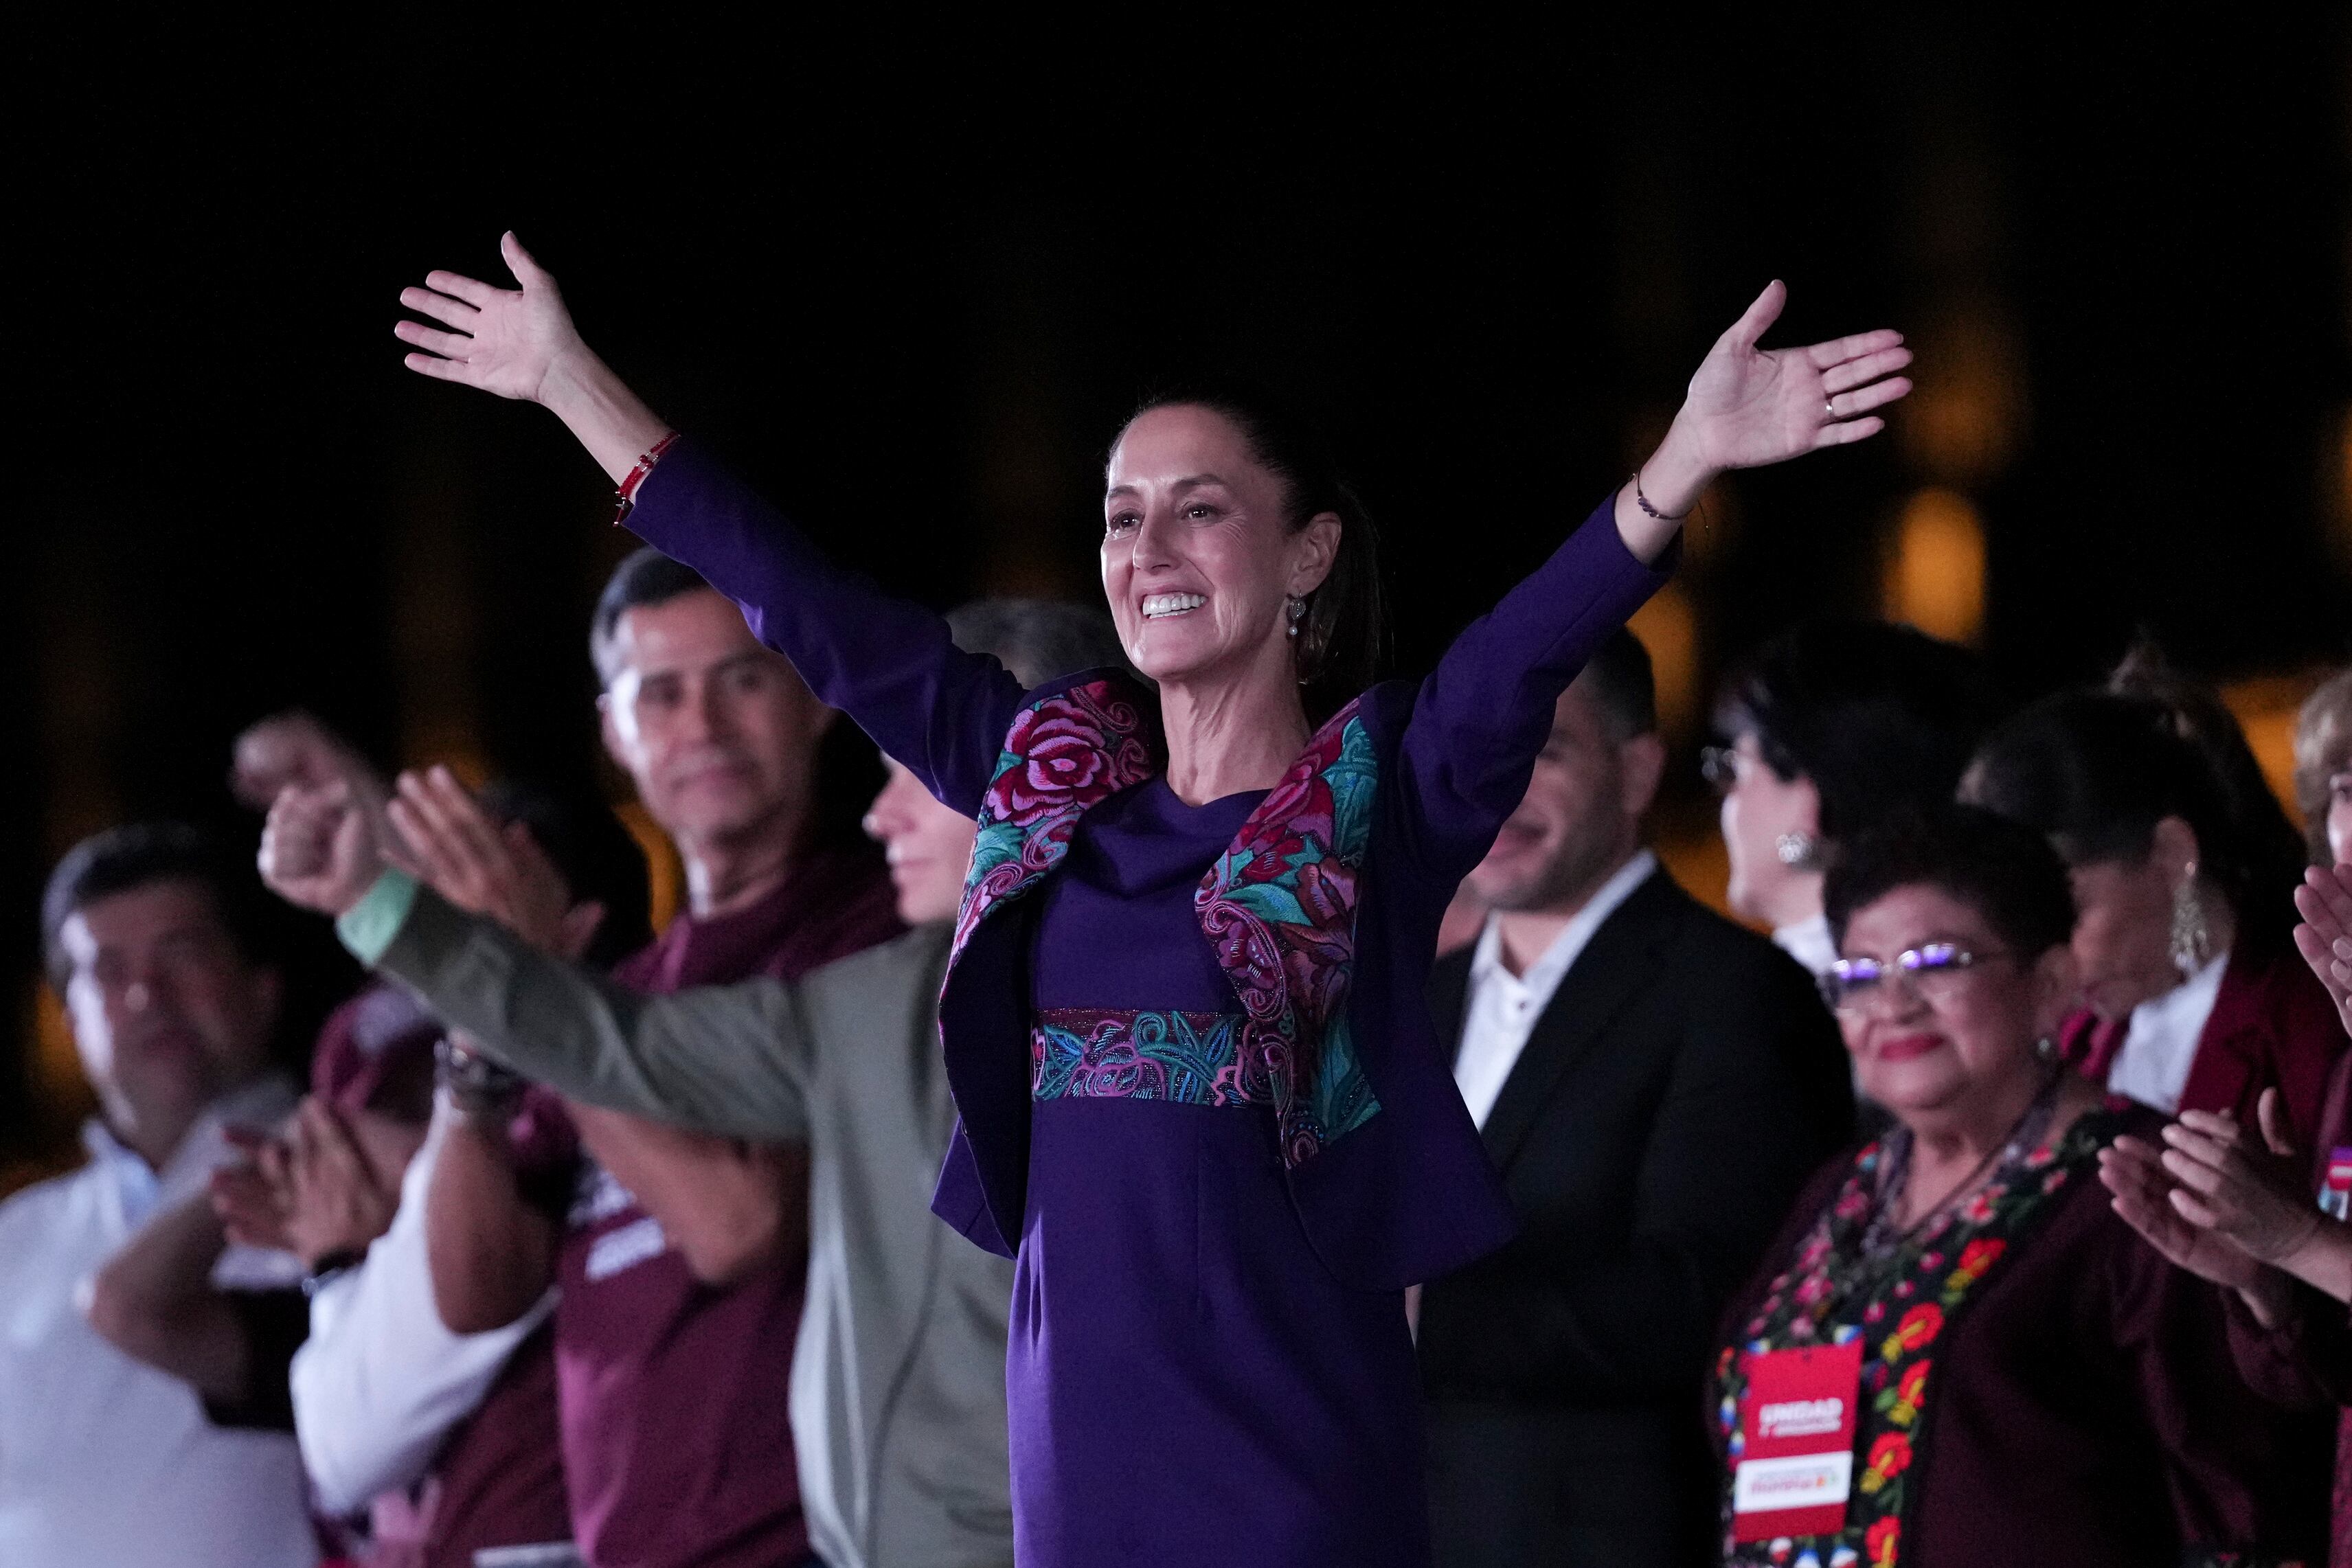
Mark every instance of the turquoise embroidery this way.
pixel 1090 1053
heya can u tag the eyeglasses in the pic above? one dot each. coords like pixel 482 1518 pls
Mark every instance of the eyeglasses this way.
pixel 1931 973
pixel 1719 766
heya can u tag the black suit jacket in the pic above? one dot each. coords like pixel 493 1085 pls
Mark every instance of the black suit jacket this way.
pixel 1671 1101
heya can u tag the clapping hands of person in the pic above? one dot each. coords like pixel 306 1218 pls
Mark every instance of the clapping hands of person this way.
pixel 487 867
pixel 309 1189
pixel 2324 937
pixel 2218 1202
pixel 1749 406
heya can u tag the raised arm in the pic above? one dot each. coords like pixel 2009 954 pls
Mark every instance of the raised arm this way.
pixel 1481 717
pixel 887 662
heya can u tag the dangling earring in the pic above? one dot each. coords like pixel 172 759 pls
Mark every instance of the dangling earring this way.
pixel 1297 611
pixel 2192 938
pixel 1797 850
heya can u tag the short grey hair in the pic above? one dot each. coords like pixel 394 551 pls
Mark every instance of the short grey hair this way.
pixel 1039 640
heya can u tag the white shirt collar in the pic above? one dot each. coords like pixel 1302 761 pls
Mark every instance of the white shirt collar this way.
pixel 1807 941
pixel 2160 1046
pixel 1503 1007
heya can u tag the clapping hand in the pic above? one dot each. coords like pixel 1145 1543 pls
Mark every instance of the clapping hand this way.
pixel 487 868
pixel 2325 938
pixel 311 1191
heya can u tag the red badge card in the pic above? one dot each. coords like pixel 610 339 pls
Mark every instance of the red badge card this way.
pixel 2336 1197
pixel 1797 1426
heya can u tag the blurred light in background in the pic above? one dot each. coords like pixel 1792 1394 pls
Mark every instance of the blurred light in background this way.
pixel 1934 577
pixel 1668 627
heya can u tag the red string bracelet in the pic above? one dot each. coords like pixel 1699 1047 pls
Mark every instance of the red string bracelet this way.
pixel 626 495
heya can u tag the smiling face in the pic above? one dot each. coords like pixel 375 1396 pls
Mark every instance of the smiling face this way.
pixel 1199 561
pixel 718 731
pixel 929 846
pixel 1970 1035
pixel 1581 816
pixel 167 1012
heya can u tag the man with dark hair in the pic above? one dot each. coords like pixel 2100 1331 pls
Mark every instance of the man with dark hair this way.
pixel 1653 1083
pixel 680 1256
pixel 152 936
pixel 898 1400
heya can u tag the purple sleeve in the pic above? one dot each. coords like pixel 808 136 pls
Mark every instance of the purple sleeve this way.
pixel 887 662
pixel 1482 714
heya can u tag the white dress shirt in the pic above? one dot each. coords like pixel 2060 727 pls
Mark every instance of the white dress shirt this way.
pixel 103 1459
pixel 2152 1066
pixel 1503 1006
pixel 1807 941
pixel 380 1383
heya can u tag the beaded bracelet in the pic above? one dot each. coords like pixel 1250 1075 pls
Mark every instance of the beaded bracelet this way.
pixel 626 494
pixel 1643 502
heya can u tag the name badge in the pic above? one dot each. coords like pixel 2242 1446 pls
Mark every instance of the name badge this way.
pixel 2336 1197
pixel 1797 1426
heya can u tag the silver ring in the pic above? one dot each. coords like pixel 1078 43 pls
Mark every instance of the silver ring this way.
pixel 1829 406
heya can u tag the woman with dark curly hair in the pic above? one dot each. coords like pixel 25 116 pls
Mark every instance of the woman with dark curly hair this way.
pixel 1956 1354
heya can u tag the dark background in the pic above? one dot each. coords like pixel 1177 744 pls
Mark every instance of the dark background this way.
pixel 911 281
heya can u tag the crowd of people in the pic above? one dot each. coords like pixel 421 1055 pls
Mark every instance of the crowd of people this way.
pixel 1049 1131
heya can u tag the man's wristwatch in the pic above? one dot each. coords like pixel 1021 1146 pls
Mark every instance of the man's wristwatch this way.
pixel 480 1089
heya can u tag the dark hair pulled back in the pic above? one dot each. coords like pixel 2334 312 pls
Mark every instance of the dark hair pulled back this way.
pixel 2097 771
pixel 1343 635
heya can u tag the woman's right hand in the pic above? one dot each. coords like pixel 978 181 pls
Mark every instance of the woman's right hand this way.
pixel 521 343
pixel 509 342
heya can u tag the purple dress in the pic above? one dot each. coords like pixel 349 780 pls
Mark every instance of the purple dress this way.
pixel 1209 1359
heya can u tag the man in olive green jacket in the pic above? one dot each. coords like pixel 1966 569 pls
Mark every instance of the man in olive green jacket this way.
pixel 897 1385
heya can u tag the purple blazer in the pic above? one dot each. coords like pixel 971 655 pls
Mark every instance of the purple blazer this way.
pixel 1407 1194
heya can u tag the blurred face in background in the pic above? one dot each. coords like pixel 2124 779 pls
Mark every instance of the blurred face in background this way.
pixel 168 1012
pixel 1930 1046
pixel 1581 816
pixel 2123 922
pixel 1760 809
pixel 719 732
pixel 928 845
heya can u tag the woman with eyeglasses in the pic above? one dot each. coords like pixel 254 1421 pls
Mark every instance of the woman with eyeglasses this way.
pixel 1957 1352
pixel 2183 868
pixel 1831 727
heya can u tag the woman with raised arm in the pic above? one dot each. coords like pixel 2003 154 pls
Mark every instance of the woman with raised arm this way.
pixel 1200 1100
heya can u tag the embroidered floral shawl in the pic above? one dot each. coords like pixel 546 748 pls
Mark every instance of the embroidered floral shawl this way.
pixel 1279 908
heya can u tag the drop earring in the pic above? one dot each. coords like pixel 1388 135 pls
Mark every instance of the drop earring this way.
pixel 1297 611
pixel 2192 937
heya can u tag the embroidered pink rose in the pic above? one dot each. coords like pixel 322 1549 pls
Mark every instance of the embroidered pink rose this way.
pixel 1062 754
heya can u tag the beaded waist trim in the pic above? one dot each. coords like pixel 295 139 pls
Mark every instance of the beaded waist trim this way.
pixel 1102 1053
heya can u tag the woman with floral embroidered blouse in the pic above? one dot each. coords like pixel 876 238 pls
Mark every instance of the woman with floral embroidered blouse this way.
pixel 2016 1380
pixel 1199 1097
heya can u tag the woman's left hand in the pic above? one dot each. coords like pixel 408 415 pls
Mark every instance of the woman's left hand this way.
pixel 1748 407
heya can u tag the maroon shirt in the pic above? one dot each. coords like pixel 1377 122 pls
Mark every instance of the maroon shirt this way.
pixel 499 1482
pixel 672 1393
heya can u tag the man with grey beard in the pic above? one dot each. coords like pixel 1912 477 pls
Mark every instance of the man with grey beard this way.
pixel 1654 1083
